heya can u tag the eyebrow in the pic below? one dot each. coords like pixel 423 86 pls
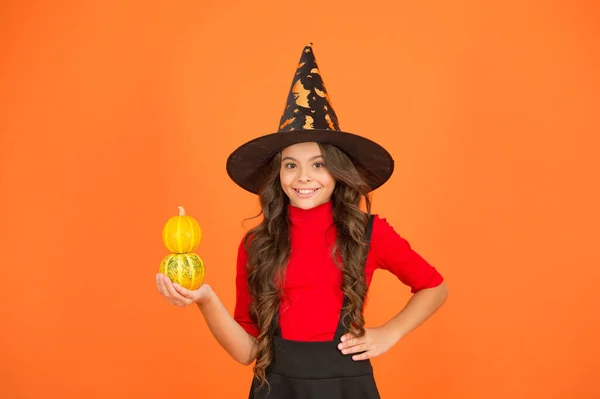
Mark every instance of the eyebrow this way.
pixel 310 159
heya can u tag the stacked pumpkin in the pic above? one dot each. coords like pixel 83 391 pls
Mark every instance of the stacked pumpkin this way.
pixel 181 236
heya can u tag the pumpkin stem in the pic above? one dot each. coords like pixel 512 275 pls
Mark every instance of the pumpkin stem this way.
pixel 181 211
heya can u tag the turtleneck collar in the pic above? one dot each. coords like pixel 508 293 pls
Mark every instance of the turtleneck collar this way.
pixel 320 216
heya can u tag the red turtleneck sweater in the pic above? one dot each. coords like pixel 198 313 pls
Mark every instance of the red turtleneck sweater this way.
pixel 313 298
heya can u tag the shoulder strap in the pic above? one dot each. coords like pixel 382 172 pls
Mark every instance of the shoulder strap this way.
pixel 369 229
pixel 340 330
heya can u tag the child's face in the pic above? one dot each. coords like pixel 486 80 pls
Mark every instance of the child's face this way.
pixel 304 176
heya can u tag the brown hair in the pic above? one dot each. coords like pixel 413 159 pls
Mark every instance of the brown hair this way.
pixel 268 247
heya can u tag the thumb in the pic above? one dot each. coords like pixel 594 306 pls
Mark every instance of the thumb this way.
pixel 184 291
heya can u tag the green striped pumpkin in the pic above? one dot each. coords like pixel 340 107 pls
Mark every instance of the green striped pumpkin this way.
pixel 187 270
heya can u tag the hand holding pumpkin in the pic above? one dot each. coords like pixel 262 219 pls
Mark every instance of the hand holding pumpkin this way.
pixel 179 295
pixel 181 273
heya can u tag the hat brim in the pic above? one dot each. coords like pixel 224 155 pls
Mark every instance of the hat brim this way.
pixel 245 164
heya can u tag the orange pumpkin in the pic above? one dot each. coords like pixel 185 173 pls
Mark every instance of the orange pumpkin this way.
pixel 181 234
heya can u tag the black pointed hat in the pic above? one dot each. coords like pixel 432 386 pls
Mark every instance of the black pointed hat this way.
pixel 308 116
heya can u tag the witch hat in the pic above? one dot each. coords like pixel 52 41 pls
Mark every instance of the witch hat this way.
pixel 308 117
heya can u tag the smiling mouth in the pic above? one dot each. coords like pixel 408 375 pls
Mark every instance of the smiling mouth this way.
pixel 306 192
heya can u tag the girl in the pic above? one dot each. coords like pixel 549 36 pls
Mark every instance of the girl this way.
pixel 304 271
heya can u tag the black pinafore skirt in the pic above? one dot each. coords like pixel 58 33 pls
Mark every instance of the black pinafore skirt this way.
pixel 315 370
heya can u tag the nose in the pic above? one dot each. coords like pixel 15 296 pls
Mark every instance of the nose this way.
pixel 303 175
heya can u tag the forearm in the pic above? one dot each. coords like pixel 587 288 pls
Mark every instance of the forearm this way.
pixel 419 308
pixel 228 333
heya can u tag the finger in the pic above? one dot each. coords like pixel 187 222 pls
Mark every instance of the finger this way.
pixel 160 286
pixel 347 337
pixel 156 282
pixel 184 292
pixel 363 356
pixel 352 342
pixel 356 349
pixel 172 293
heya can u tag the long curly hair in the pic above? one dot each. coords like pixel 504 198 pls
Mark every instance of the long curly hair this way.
pixel 268 248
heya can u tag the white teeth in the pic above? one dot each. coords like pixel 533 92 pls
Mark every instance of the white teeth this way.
pixel 306 192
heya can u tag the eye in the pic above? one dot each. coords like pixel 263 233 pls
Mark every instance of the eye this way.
pixel 289 165
pixel 319 165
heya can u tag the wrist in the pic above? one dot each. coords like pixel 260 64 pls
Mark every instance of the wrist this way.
pixel 393 330
pixel 207 299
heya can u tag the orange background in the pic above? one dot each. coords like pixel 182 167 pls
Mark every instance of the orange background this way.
pixel 114 113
